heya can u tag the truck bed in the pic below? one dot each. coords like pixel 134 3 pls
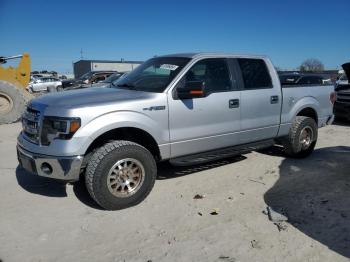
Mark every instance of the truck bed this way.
pixel 297 97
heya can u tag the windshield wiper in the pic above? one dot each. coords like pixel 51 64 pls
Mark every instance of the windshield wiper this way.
pixel 129 86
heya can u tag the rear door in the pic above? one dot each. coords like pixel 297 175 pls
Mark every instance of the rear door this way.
pixel 203 124
pixel 260 101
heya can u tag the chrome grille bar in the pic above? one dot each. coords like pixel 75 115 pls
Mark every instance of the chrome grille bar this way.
pixel 31 125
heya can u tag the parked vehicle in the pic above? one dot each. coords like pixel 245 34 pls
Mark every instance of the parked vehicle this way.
pixel 34 77
pixel 186 108
pixel 62 77
pixel 342 104
pixel 88 78
pixel 45 84
pixel 304 79
pixel 13 83
pixel 105 83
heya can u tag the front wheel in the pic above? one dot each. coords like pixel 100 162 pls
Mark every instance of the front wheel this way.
pixel 302 137
pixel 120 174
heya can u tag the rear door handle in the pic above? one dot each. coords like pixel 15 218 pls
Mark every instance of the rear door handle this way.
pixel 233 103
pixel 274 100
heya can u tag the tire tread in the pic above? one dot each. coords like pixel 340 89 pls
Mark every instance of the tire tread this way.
pixel 290 143
pixel 94 162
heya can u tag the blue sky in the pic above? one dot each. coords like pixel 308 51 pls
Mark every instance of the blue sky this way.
pixel 53 32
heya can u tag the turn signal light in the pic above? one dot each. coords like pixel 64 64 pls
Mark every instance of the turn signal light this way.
pixel 74 126
pixel 196 92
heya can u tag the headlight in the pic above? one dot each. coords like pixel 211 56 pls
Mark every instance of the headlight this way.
pixel 58 128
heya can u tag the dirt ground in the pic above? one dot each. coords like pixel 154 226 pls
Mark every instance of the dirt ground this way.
pixel 43 220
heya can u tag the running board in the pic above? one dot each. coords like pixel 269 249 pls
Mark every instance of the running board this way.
pixel 209 156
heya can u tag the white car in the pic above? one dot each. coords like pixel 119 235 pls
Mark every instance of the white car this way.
pixel 45 84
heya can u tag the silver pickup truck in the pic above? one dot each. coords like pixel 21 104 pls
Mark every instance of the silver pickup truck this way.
pixel 186 108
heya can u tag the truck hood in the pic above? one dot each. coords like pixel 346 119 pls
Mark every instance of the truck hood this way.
pixel 89 97
pixel 343 84
pixel 346 68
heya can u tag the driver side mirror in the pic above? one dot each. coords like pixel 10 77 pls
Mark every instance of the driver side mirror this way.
pixel 191 89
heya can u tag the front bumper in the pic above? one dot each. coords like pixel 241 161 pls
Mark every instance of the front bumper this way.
pixel 62 168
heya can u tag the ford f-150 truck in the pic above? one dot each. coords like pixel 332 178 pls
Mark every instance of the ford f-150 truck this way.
pixel 185 108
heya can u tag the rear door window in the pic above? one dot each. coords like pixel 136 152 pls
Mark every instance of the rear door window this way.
pixel 255 73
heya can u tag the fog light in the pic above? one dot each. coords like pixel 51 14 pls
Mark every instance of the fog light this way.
pixel 46 168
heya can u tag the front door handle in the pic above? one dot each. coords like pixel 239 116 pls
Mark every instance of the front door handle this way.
pixel 233 103
pixel 274 100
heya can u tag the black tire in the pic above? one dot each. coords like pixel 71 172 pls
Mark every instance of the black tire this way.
pixel 100 164
pixel 13 102
pixel 292 144
pixel 59 88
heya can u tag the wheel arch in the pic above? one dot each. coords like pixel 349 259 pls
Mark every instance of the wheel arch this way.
pixel 307 106
pixel 308 112
pixel 131 134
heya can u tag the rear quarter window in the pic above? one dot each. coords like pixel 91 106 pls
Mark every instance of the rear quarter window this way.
pixel 254 73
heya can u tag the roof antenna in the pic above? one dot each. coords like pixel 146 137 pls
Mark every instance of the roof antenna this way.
pixel 81 53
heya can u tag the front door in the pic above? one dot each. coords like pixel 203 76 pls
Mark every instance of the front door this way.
pixel 203 124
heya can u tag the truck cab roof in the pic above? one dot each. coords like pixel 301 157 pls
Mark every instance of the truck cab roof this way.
pixel 214 54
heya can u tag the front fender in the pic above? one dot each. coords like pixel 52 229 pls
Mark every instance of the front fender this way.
pixel 156 126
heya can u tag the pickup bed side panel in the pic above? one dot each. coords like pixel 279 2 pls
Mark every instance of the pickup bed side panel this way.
pixel 297 98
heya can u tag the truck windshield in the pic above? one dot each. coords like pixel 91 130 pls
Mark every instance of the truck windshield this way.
pixel 154 75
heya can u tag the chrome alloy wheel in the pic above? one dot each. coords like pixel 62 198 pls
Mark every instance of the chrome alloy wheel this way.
pixel 125 177
pixel 306 137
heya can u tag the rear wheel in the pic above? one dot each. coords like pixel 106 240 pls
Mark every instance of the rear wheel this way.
pixel 12 102
pixel 302 137
pixel 120 174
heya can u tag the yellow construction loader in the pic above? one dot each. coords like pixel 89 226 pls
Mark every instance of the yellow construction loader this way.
pixel 13 93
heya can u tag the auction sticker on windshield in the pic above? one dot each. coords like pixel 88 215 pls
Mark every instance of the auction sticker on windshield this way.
pixel 169 67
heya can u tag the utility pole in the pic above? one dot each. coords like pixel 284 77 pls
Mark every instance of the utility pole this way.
pixel 81 53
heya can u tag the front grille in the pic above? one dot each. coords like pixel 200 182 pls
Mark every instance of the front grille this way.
pixel 343 97
pixel 31 125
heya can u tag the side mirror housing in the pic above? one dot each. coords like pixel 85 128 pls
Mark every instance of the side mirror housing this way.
pixel 191 89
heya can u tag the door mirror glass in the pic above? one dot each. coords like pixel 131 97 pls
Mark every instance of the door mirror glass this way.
pixel 191 89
